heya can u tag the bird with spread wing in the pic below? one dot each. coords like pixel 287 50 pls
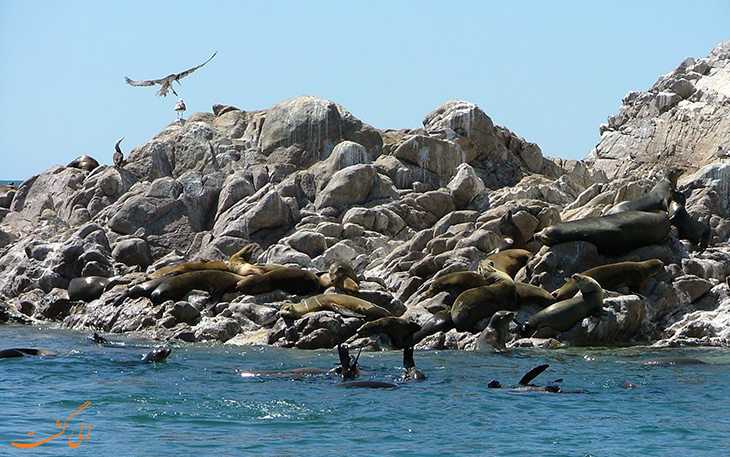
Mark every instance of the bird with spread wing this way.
pixel 167 81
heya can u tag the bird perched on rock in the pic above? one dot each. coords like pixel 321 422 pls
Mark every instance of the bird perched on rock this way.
pixel 167 81
pixel 118 157
pixel 180 108
pixel 721 153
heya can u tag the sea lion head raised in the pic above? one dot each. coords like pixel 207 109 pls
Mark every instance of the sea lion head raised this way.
pixel 157 355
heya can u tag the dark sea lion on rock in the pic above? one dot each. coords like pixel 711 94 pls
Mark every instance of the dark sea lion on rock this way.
pixel 510 261
pixel 399 330
pixel 688 227
pixel 144 289
pixel 563 315
pixel 20 352
pixel 458 282
pixel 615 276
pixel 482 302
pixel 214 281
pixel 410 371
pixel 90 287
pixel 509 229
pixel 613 234
pixel 84 162
pixel 340 303
pixel 494 336
pixel 292 280
pixel 656 199
pixel 439 322
pixel 527 294
pixel 186 267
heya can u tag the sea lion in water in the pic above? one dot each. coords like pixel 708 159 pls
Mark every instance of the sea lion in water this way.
pixel 510 261
pixel 563 315
pixel 672 360
pixel 688 227
pixel 156 355
pixel 84 162
pixel 292 280
pixel 410 371
pixel 524 383
pixel 342 276
pixel 399 330
pixel 214 281
pixel 613 234
pixel 656 199
pixel 478 303
pixel 20 352
pixel 341 303
pixel 494 336
pixel 350 370
pixel 615 276
pixel 90 288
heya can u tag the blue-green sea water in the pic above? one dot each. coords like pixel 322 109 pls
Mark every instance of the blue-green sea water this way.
pixel 198 403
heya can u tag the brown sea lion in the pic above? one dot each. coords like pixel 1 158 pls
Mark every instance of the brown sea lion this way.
pixel 214 281
pixel 439 322
pixel 689 228
pixel 494 335
pixel 187 267
pixel 509 229
pixel 656 199
pixel 458 282
pixel 292 280
pixel 563 315
pixel 527 294
pixel 613 234
pixel 509 261
pixel 482 302
pixel 614 276
pixel 340 303
pixel 342 276
pixel 84 162
pixel 240 262
pixel 399 330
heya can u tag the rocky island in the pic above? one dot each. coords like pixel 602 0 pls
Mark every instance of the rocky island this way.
pixel 305 227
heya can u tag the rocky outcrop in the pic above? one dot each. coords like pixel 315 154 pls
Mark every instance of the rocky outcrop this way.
pixel 313 186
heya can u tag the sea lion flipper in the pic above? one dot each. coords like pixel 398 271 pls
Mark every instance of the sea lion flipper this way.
pixel 408 361
pixel 532 374
pixel 347 312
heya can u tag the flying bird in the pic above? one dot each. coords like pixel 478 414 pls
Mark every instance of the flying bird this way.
pixel 118 157
pixel 166 82
pixel 180 108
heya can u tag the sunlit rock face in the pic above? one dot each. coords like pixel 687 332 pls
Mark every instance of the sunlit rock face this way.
pixel 314 187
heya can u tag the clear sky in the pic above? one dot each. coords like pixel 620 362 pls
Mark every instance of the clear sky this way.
pixel 549 71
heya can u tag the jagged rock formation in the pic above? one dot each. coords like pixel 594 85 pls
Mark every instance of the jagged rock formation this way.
pixel 312 185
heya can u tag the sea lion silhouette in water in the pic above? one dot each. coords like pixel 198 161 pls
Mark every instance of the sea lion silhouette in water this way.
pixel 688 227
pixel 671 360
pixel 350 371
pixel 612 234
pixel 656 199
pixel 21 352
pixel 524 383
pixel 494 336
pixel 563 315
pixel 156 355
pixel 614 276
pixel 410 371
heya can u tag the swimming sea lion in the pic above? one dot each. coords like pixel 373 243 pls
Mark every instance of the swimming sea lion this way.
pixel 509 229
pixel 615 276
pixel 563 315
pixel 214 281
pixel 292 280
pixel 20 352
pixel 670 361
pixel 478 303
pixel 689 228
pixel 399 330
pixel 613 234
pixel 156 355
pixel 340 303
pixel 524 383
pixel 494 336
pixel 410 371
pixel 350 370
pixel 657 199
pixel 510 261
pixel 84 162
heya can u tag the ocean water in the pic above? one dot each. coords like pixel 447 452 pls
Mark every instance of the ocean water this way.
pixel 198 403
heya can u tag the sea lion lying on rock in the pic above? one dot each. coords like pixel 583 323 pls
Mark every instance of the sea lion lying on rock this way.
pixel 510 261
pixel 615 276
pixel 399 330
pixel 340 303
pixel 656 199
pixel 292 280
pixel 342 276
pixel 612 234
pixel 482 302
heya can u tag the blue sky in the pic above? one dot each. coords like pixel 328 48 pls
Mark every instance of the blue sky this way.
pixel 549 71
